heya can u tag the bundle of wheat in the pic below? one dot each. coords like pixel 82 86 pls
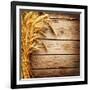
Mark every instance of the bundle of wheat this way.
pixel 31 28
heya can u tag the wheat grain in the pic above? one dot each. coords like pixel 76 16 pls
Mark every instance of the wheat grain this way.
pixel 30 34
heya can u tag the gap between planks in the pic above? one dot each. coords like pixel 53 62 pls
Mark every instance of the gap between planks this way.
pixel 59 39
pixel 53 54
pixel 54 68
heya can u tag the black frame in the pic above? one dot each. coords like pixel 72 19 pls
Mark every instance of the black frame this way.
pixel 13 44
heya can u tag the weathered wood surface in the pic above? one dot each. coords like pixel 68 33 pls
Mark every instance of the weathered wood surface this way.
pixel 56 72
pixel 54 61
pixel 64 29
pixel 63 15
pixel 59 47
pixel 66 44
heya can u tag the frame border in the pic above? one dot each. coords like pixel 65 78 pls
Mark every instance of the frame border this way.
pixel 13 44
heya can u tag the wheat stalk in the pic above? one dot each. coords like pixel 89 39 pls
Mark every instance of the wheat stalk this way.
pixel 30 35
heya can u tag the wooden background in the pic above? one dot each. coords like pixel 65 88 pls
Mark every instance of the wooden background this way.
pixel 62 57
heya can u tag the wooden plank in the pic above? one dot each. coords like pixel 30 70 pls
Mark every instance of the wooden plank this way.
pixel 56 72
pixel 54 61
pixel 58 47
pixel 65 15
pixel 64 29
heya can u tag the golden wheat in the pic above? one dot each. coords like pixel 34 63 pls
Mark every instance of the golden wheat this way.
pixel 30 34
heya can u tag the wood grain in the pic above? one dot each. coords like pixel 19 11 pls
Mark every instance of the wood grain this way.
pixel 64 29
pixel 64 15
pixel 59 47
pixel 54 61
pixel 56 72
pixel 62 55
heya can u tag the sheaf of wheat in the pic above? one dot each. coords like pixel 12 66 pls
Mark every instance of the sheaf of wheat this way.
pixel 31 28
